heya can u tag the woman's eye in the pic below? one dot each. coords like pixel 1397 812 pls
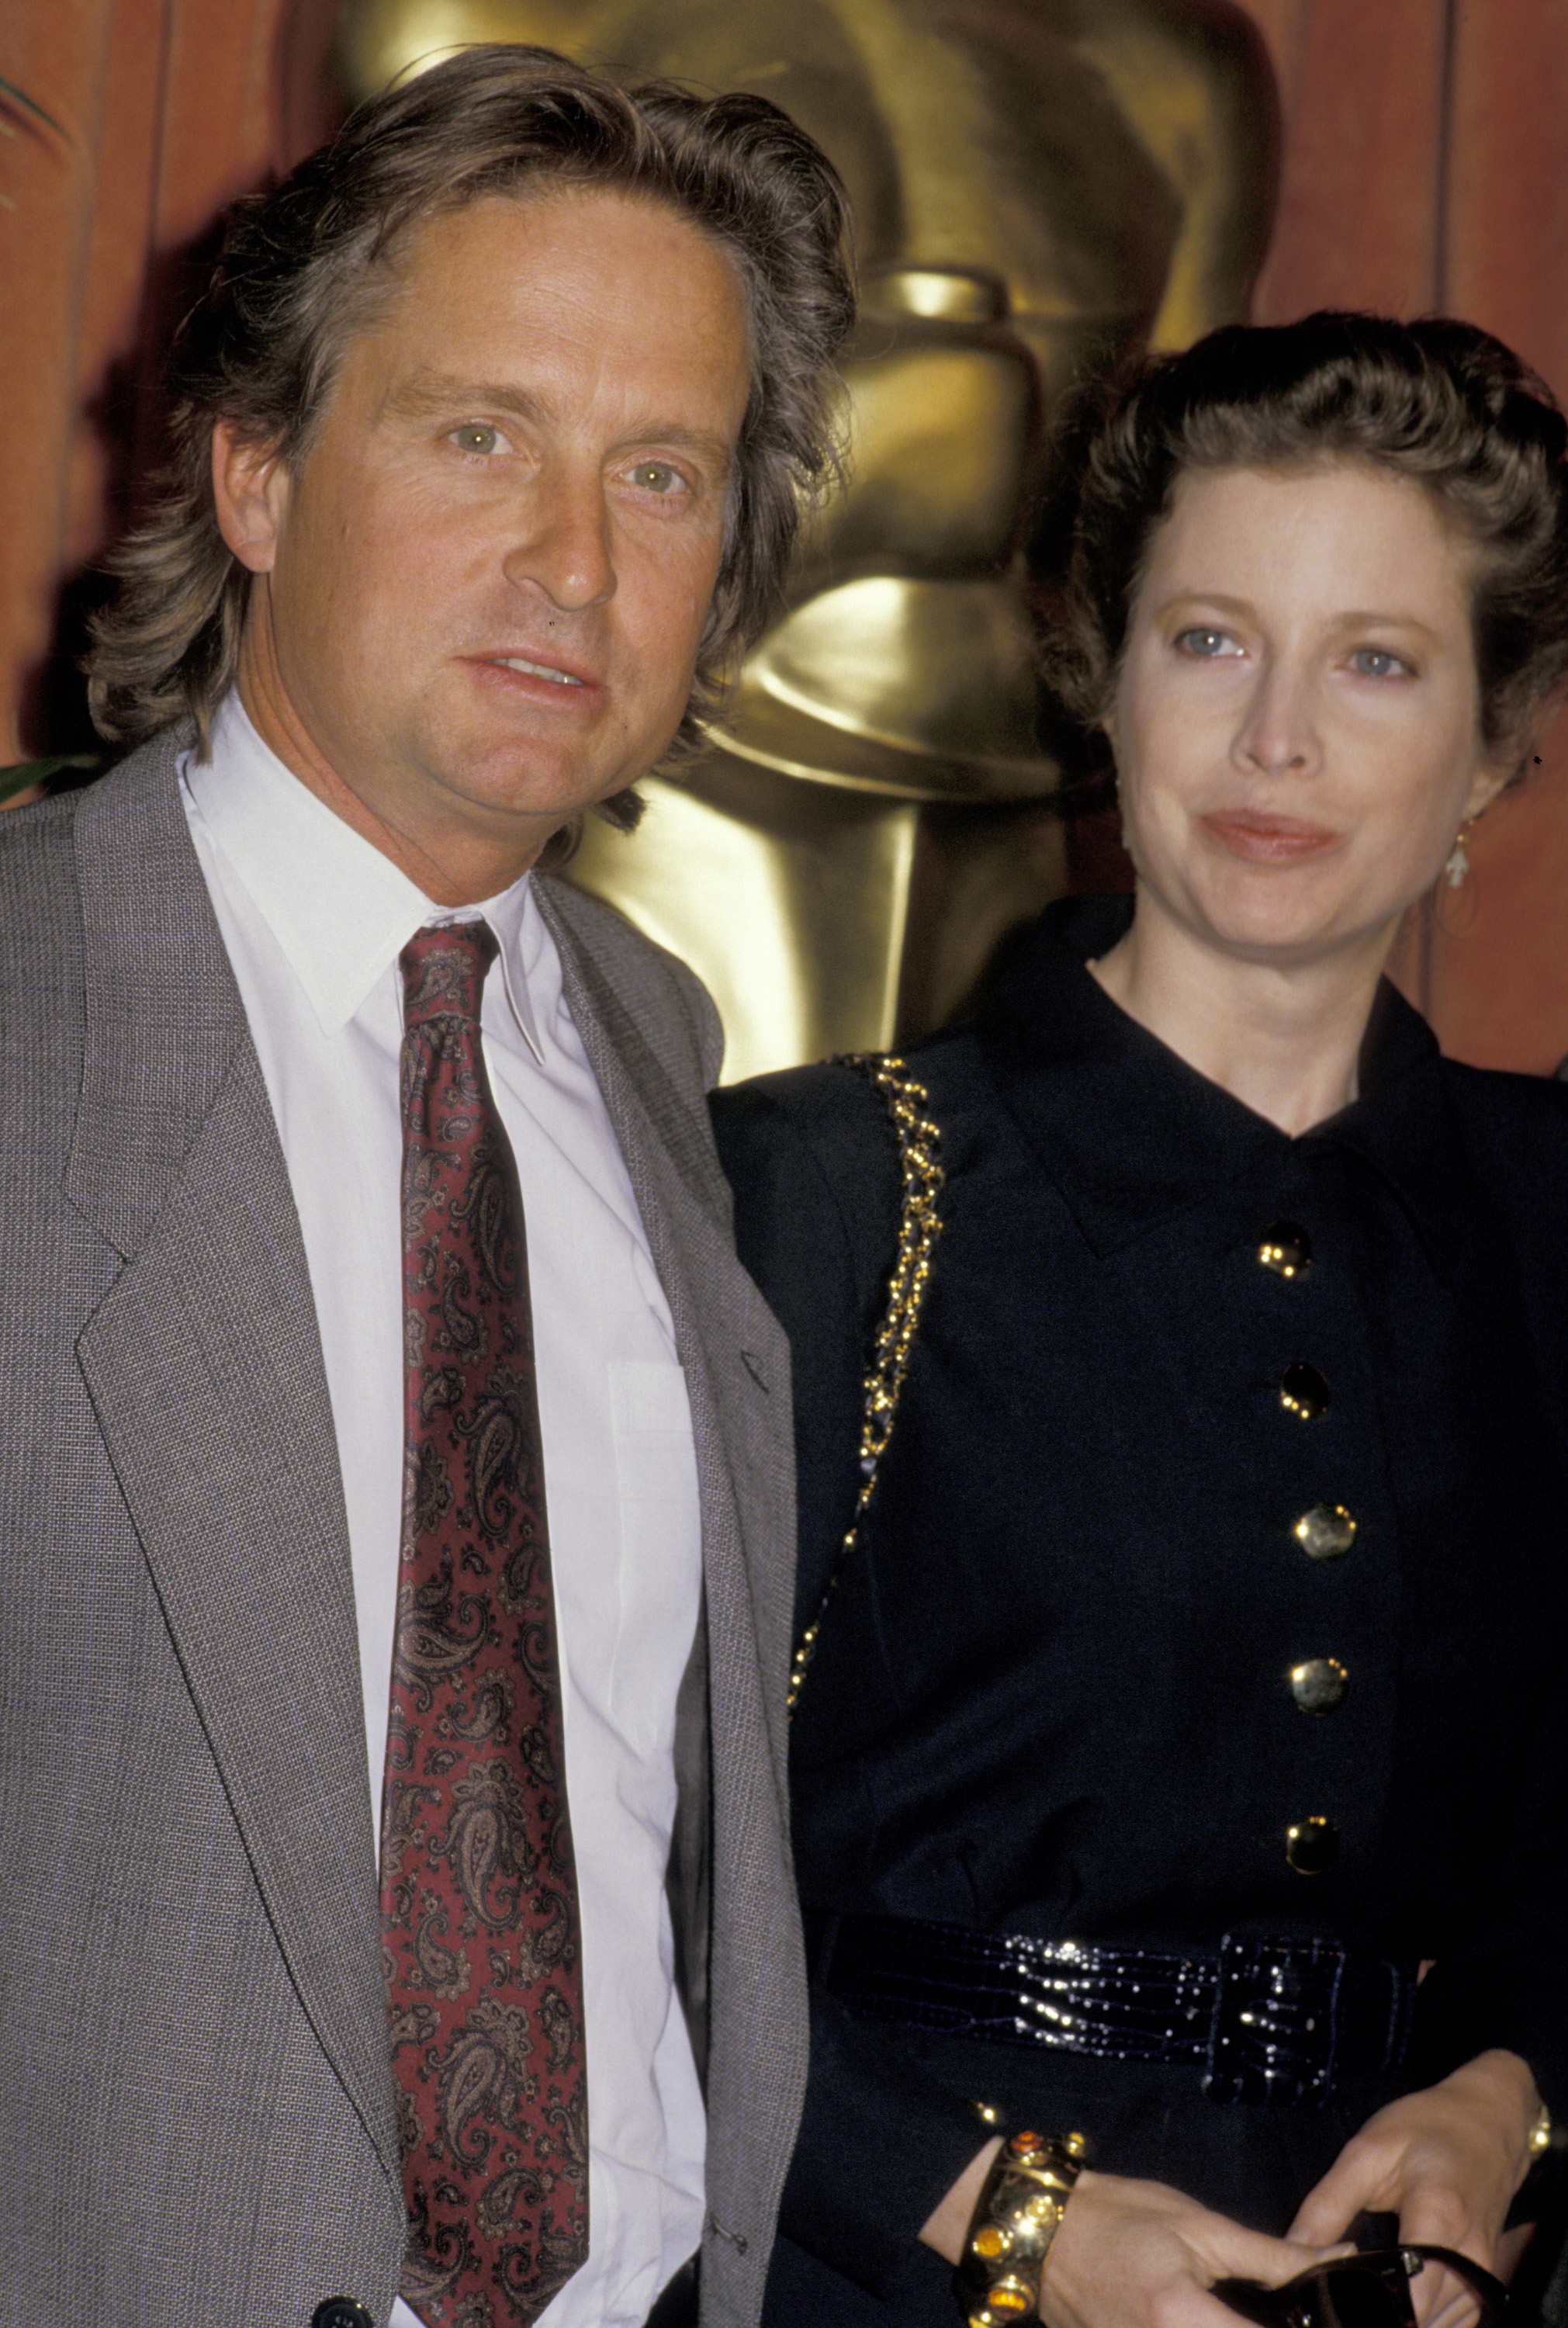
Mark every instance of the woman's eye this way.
pixel 1207 643
pixel 476 436
pixel 656 477
pixel 1378 663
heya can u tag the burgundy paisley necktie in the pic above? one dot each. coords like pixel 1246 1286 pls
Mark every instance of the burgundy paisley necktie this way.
pixel 479 1908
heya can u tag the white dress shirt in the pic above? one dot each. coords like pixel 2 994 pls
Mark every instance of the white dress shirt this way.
pixel 314 918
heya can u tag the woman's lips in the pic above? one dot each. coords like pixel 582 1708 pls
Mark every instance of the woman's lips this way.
pixel 1268 839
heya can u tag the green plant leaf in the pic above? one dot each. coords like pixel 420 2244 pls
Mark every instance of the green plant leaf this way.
pixel 23 773
pixel 8 88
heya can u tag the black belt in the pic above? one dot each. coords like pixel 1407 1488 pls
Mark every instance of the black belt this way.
pixel 1267 2019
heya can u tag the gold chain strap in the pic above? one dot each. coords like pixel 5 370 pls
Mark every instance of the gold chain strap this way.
pixel 919 1227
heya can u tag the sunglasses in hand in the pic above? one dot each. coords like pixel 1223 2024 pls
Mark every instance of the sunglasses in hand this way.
pixel 1368 2290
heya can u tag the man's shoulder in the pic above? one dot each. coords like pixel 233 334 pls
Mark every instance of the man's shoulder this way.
pixel 90 899
pixel 43 1019
pixel 619 948
pixel 669 1004
pixel 95 885
pixel 120 813
pixel 40 917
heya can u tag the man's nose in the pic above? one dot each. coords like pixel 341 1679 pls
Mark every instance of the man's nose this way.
pixel 1277 732
pixel 563 544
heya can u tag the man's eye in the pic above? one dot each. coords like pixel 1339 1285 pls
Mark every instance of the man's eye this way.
pixel 1205 642
pixel 1378 662
pixel 476 436
pixel 656 477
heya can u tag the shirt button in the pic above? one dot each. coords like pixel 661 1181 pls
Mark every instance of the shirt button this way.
pixel 1286 1249
pixel 1325 1532
pixel 341 2312
pixel 1313 1845
pixel 1318 1684
pixel 1303 1391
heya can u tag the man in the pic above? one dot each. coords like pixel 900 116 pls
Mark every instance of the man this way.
pixel 383 1400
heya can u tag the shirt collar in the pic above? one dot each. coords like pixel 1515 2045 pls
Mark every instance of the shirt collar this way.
pixel 1132 1135
pixel 340 910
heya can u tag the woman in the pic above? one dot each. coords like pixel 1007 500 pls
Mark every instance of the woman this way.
pixel 1180 1762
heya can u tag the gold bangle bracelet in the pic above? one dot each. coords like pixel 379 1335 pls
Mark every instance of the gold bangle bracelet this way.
pixel 1540 2141
pixel 1018 2215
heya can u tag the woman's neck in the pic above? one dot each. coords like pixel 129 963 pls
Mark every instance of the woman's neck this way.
pixel 1284 1038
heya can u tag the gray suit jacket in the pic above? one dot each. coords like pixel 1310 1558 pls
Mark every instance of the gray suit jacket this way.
pixel 198 2119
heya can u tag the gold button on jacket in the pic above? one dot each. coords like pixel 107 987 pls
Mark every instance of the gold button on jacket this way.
pixel 1303 1391
pixel 1318 1684
pixel 1286 1249
pixel 1313 1845
pixel 1325 1532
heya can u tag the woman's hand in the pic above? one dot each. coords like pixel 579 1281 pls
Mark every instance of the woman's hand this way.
pixel 1131 2255
pixel 1139 2255
pixel 1447 2160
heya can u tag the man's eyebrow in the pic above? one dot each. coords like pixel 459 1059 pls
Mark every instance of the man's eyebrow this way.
pixel 429 395
pixel 425 395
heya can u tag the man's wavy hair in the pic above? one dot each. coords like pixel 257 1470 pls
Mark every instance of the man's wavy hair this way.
pixel 1438 402
pixel 307 266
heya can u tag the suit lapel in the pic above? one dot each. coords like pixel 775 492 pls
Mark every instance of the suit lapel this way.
pixel 204 1367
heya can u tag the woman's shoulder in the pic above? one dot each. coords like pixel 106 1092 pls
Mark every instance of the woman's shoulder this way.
pixel 1506 1106
pixel 1515 1131
pixel 813 1158
pixel 827 1107
pixel 835 1110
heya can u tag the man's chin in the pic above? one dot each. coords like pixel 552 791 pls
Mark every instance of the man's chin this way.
pixel 509 788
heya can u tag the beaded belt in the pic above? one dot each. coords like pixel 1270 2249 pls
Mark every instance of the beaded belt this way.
pixel 1266 2020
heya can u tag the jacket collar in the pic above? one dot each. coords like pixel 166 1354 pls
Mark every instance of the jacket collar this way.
pixel 1133 1136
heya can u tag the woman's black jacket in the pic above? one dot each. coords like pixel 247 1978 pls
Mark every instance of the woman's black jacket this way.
pixel 1052 1693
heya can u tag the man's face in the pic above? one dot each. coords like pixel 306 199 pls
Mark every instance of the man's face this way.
pixel 482 588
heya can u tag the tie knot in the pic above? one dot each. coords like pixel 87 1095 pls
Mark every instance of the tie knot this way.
pixel 444 971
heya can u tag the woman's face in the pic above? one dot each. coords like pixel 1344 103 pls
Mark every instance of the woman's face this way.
pixel 1297 723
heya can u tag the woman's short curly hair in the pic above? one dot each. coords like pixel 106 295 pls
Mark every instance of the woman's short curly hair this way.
pixel 310 264
pixel 1438 402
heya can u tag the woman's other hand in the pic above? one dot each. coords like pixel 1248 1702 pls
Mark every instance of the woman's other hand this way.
pixel 1447 2160
pixel 1132 2254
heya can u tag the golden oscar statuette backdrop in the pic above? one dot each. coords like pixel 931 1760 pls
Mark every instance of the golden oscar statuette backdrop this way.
pixel 1035 182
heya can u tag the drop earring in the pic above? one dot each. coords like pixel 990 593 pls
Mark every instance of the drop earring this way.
pixel 1458 858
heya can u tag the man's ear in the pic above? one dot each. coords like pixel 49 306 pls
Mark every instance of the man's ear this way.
pixel 250 490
